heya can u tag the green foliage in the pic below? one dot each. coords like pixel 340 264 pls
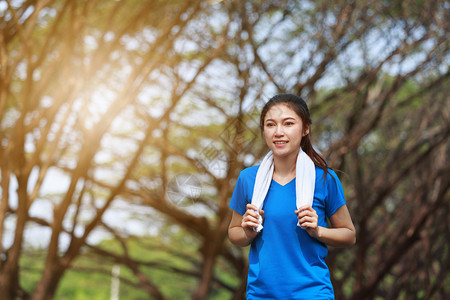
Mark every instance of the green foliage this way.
pixel 77 285
pixel 32 263
pixel 169 261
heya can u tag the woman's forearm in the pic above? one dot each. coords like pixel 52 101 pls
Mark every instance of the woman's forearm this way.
pixel 240 230
pixel 336 237
pixel 238 236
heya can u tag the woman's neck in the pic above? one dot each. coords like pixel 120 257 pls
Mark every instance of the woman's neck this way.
pixel 284 169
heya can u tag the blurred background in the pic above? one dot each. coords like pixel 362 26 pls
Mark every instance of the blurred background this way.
pixel 124 125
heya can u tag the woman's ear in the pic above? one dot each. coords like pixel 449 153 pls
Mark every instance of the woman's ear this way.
pixel 306 131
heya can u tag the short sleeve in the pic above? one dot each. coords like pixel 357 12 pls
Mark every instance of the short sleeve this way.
pixel 238 200
pixel 335 194
pixel 243 190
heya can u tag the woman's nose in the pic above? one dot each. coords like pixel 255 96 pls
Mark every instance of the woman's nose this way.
pixel 279 130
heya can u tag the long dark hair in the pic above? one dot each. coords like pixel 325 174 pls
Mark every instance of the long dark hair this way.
pixel 298 105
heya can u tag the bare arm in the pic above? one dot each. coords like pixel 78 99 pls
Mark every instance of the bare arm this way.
pixel 240 230
pixel 342 234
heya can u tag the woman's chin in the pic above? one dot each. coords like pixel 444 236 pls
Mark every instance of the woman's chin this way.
pixel 284 153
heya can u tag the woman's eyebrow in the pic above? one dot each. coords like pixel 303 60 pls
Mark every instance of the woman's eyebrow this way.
pixel 287 118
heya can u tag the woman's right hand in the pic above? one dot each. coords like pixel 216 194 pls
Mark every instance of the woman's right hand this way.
pixel 241 229
pixel 250 220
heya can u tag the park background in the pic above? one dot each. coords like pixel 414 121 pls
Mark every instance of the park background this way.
pixel 124 125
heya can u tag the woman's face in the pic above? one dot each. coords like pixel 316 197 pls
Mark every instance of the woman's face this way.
pixel 283 130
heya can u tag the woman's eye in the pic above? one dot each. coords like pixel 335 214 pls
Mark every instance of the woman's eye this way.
pixel 270 124
pixel 289 123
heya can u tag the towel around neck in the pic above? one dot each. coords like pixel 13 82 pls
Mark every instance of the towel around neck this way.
pixel 305 174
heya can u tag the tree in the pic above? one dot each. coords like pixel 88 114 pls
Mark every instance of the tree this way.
pixel 124 98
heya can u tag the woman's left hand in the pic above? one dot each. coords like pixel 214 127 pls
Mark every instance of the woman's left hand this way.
pixel 308 220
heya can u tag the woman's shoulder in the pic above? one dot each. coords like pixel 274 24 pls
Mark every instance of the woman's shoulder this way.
pixel 320 172
pixel 249 172
pixel 247 178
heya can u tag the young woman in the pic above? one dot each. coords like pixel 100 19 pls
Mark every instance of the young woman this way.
pixel 287 256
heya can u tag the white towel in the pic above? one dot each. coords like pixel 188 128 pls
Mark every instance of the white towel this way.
pixel 305 173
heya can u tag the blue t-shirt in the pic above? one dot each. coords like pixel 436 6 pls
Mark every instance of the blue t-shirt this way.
pixel 284 261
